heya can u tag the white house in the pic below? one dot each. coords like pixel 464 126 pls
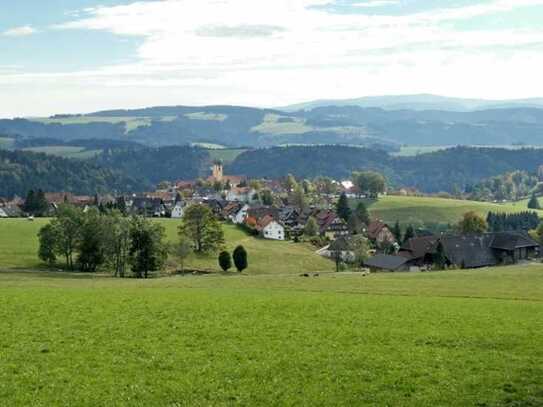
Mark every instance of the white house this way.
pixel 271 229
pixel 178 211
pixel 3 214
pixel 239 217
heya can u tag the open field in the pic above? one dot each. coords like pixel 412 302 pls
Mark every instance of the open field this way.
pixel 132 123
pixel 423 210
pixel 410 151
pixel 425 339
pixel 19 245
pixel 227 155
pixel 6 142
pixel 276 124
pixel 65 151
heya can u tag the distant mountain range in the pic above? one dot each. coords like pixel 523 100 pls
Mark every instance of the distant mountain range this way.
pixel 420 102
pixel 383 122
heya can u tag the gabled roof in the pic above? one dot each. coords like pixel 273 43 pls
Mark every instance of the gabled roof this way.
pixel 375 227
pixel 386 262
pixel 420 246
pixel 265 221
pixel 512 240
pixel 469 250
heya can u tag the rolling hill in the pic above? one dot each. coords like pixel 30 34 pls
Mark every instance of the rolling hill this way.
pixel 419 102
pixel 233 126
pixel 420 211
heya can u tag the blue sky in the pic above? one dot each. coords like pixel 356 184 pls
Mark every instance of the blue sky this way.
pixel 85 55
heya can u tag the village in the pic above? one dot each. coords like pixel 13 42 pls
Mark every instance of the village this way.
pixel 280 210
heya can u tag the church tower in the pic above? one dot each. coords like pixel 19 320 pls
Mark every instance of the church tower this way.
pixel 217 171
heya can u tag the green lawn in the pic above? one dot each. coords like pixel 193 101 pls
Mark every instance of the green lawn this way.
pixel 423 210
pixel 458 338
pixel 19 245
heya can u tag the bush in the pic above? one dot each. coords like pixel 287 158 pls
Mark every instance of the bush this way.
pixel 225 261
pixel 240 258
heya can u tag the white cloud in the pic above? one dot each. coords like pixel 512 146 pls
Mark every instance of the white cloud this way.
pixel 376 3
pixel 275 52
pixel 22 31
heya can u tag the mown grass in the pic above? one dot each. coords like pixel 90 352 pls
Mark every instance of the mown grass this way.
pixel 424 210
pixel 423 339
pixel 19 246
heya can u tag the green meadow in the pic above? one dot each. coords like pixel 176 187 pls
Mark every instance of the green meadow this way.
pixel 227 155
pixel 426 339
pixel 65 151
pixel 431 210
pixel 267 336
pixel 131 122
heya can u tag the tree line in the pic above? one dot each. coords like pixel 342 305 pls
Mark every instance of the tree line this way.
pixel 506 222
pixel 88 241
pixel 92 240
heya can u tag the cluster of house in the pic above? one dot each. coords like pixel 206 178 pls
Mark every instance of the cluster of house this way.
pixel 423 252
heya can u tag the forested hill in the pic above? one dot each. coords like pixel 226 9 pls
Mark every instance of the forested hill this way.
pixel 435 172
pixel 153 165
pixel 21 171
pixel 234 126
pixel 138 169
pixel 127 169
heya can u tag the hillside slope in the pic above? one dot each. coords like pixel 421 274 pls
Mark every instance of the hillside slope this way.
pixel 423 211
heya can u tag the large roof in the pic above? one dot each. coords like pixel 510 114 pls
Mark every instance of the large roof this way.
pixel 386 262
pixel 420 246
pixel 512 240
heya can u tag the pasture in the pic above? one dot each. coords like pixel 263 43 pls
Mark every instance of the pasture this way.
pixel 131 122
pixel 424 339
pixel 227 155
pixel 432 210
pixel 75 152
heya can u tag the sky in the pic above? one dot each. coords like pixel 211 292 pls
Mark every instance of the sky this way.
pixel 76 56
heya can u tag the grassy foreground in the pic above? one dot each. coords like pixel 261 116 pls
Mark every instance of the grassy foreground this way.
pixel 426 339
pixel 420 210
pixel 19 246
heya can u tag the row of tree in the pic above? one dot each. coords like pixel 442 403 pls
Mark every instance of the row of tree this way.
pixel 505 222
pixel 239 256
pixel 91 240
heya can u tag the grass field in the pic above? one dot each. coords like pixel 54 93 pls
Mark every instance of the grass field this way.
pixel 80 153
pixel 6 142
pixel 423 210
pixel 227 155
pixel 19 245
pixel 273 125
pixel 410 151
pixel 459 338
pixel 132 123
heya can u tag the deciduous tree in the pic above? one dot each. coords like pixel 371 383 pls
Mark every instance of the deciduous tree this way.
pixel 472 223
pixel 202 229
